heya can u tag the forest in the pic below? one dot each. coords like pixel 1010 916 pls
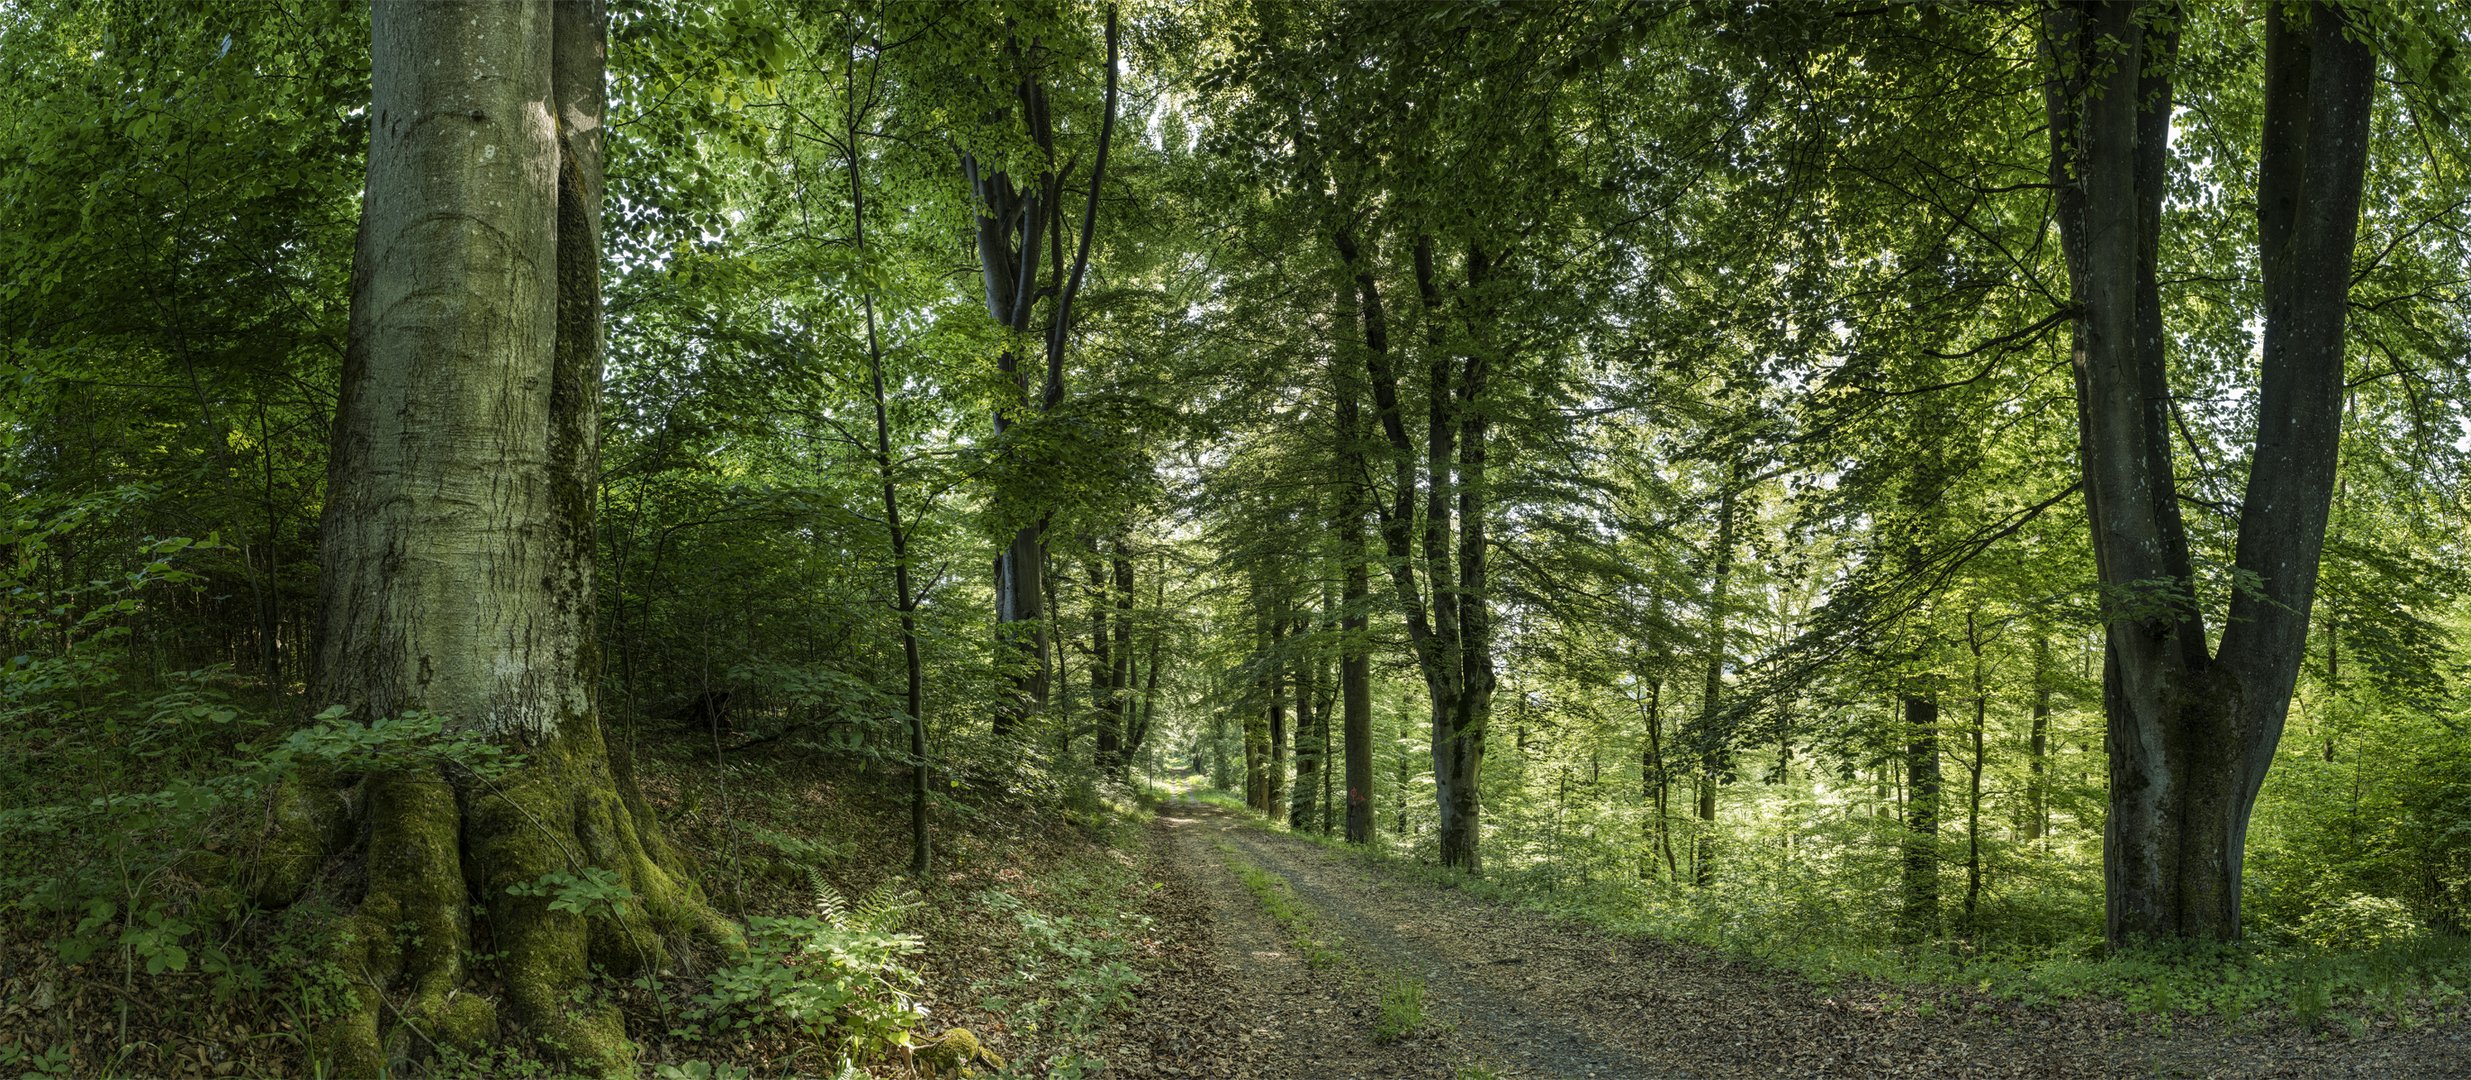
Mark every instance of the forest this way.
pixel 713 539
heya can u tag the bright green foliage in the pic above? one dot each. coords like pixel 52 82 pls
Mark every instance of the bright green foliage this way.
pixel 836 975
pixel 1787 266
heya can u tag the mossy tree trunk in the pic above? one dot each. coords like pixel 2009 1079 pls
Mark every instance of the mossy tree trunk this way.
pixel 457 545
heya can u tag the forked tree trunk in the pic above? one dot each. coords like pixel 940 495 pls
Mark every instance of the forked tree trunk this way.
pixel 2192 733
pixel 457 543
pixel 1448 614
pixel 1010 220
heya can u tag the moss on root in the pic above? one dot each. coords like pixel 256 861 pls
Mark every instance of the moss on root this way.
pixel 562 812
pixel 307 818
pixel 432 846
pixel 403 948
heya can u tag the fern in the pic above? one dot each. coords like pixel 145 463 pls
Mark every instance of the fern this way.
pixel 828 904
pixel 885 909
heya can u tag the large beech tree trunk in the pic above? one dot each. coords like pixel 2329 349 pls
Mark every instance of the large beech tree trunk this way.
pixel 1010 222
pixel 2192 732
pixel 457 543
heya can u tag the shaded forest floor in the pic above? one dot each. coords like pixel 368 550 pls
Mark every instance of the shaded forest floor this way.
pixel 1284 951
pixel 1081 937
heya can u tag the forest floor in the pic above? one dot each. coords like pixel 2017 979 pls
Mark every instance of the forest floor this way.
pixel 1285 974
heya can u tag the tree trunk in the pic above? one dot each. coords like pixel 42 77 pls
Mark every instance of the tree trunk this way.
pixel 457 543
pixel 1274 801
pixel 905 593
pixel 2190 735
pixel 1452 637
pixel 1104 671
pixel 1973 771
pixel 1139 733
pixel 1656 782
pixel 1711 697
pixel 1921 912
pixel 2038 744
pixel 1355 591
pixel 1305 802
pixel 1120 676
pixel 1010 223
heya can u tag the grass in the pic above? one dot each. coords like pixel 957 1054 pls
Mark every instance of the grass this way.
pixel 1402 1009
pixel 1295 921
pixel 2404 982
pixel 1195 789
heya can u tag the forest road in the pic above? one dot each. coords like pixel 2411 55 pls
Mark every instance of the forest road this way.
pixel 1517 993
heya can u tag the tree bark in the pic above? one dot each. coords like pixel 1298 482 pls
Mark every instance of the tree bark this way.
pixel 458 549
pixel 1451 635
pixel 905 594
pixel 2038 744
pixel 1656 782
pixel 1709 736
pixel 1973 770
pixel 1920 917
pixel 2191 735
pixel 1274 801
pixel 1138 734
pixel 1010 223
pixel 1120 675
pixel 1305 803
pixel 1355 589
pixel 1104 670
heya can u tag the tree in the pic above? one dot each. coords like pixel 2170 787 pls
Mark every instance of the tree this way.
pixel 2193 726
pixel 458 544
pixel 1012 221
pixel 1920 916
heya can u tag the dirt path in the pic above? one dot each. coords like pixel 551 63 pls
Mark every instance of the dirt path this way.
pixel 1518 993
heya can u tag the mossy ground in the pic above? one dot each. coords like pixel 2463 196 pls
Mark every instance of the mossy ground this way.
pixel 1027 940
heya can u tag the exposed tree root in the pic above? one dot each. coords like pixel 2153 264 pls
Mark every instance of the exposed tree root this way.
pixel 435 848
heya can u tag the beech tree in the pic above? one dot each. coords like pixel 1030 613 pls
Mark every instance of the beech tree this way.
pixel 1017 221
pixel 2193 725
pixel 458 547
